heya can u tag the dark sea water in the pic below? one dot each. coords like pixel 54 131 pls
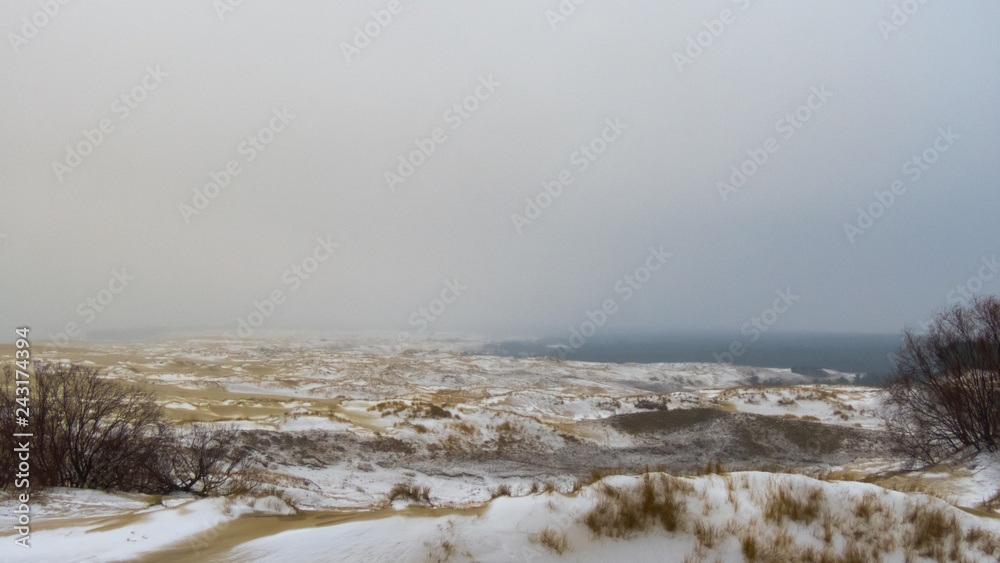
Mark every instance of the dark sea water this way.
pixel 852 353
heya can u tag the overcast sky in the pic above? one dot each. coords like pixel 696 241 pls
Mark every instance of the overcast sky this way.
pixel 838 96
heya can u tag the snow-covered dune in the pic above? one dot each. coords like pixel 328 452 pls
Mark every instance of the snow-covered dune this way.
pixel 654 517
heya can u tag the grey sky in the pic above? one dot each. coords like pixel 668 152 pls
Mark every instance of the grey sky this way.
pixel 655 185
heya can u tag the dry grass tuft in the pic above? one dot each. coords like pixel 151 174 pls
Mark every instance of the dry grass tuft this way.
pixel 992 503
pixel 714 468
pixel 265 491
pixel 464 427
pixel 934 530
pixel 707 535
pixel 853 554
pixel 868 528
pixel 409 491
pixel 782 504
pixel 868 507
pixel 749 547
pixel 620 512
pixel 502 490
pixel 988 543
pixel 551 539
pixel 840 475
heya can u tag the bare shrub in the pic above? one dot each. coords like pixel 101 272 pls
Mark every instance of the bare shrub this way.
pixel 89 432
pixel 945 394
pixel 787 402
pixel 208 461
pixel 96 433
pixel 648 404
pixel 436 411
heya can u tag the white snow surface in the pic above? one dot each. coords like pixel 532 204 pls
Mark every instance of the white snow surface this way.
pixel 505 531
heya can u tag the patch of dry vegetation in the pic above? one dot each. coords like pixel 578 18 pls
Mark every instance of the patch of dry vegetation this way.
pixel 411 409
pixel 623 512
pixel 501 490
pixel 797 506
pixel 464 427
pixel 410 492
pixel 992 503
pixel 984 541
pixel 935 532
pixel 868 507
pixel 272 491
pixel 788 520
pixel 552 540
